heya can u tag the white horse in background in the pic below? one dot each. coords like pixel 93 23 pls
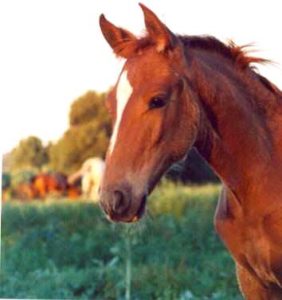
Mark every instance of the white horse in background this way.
pixel 91 172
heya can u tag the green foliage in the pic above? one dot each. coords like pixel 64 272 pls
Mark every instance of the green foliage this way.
pixel 70 251
pixel 6 180
pixel 87 136
pixel 21 177
pixel 29 154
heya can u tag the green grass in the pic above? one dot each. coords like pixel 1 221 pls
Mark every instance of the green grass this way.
pixel 63 250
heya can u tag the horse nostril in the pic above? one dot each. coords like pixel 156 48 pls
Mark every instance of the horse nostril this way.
pixel 119 202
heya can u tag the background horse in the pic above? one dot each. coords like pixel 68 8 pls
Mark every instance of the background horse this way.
pixel 41 186
pixel 176 92
pixel 91 174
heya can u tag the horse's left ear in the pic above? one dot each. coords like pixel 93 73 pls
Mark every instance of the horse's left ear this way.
pixel 122 41
pixel 160 34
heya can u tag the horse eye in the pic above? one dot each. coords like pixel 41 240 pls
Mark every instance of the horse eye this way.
pixel 157 102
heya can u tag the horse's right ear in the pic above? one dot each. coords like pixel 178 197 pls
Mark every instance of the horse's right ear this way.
pixel 121 40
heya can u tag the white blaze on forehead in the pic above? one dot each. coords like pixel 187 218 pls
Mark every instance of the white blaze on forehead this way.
pixel 124 91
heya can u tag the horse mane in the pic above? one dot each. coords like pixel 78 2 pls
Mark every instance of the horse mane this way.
pixel 239 55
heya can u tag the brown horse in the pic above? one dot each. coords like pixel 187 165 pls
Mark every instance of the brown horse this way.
pixel 45 185
pixel 177 92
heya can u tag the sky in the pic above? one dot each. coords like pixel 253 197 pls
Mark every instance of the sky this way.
pixel 52 52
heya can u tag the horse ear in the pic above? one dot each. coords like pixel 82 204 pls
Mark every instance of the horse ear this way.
pixel 160 34
pixel 120 40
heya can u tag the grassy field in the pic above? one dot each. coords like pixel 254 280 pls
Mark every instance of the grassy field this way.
pixel 64 250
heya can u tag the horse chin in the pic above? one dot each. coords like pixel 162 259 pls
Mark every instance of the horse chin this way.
pixel 141 210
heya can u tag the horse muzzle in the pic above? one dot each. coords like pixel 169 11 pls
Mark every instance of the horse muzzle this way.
pixel 120 205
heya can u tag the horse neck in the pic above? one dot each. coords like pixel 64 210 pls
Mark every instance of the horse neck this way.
pixel 234 135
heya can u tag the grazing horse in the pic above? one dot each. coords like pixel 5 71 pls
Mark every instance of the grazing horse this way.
pixel 177 92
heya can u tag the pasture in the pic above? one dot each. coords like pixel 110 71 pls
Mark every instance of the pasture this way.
pixel 68 250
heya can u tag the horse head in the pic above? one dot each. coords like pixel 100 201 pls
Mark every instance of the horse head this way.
pixel 155 115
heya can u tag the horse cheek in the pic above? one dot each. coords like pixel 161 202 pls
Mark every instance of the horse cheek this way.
pixel 187 128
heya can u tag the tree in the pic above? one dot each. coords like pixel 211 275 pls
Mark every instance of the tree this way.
pixel 87 136
pixel 29 154
pixel 89 107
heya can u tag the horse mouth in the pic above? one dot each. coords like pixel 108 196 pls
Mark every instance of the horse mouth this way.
pixel 140 212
